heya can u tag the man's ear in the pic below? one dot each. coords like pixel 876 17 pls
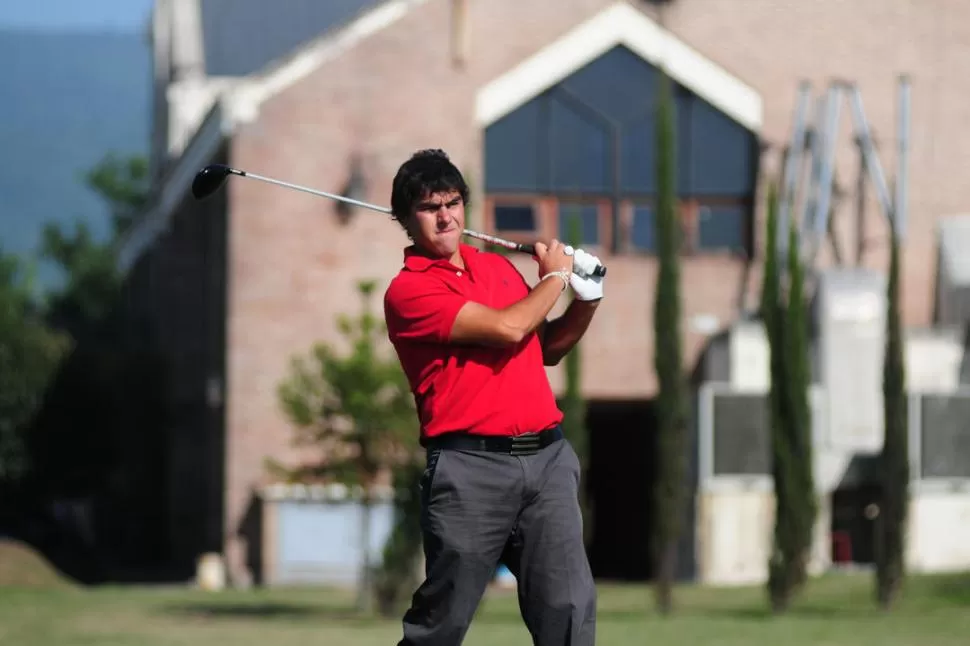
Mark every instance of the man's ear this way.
pixel 406 225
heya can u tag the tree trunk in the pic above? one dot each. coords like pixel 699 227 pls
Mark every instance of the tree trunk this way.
pixel 666 569
pixel 894 458
pixel 365 587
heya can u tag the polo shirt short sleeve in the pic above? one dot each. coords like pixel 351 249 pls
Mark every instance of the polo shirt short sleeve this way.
pixel 423 310
pixel 479 389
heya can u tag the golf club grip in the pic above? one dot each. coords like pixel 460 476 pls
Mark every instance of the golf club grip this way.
pixel 531 250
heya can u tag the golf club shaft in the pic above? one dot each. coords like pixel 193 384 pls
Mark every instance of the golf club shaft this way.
pixel 508 244
pixel 332 196
pixel 383 209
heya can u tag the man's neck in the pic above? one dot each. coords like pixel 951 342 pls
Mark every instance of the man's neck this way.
pixel 457 260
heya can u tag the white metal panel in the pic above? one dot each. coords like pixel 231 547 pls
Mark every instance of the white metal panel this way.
pixel 750 357
pixel 933 359
pixel 851 311
pixel 320 542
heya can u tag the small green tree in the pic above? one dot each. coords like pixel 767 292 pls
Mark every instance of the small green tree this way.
pixel 358 410
pixel 668 361
pixel 92 283
pixel 573 403
pixel 397 575
pixel 894 458
pixel 76 438
pixel 29 355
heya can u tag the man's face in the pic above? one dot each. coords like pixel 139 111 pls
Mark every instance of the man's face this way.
pixel 438 222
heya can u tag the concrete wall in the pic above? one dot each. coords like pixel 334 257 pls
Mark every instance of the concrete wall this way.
pixel 735 530
pixel 734 538
pixel 939 529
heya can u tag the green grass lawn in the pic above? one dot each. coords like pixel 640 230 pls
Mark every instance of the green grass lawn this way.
pixel 836 610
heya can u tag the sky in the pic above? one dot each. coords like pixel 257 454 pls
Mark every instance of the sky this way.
pixel 113 15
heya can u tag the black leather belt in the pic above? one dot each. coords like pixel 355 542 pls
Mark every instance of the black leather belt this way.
pixel 525 444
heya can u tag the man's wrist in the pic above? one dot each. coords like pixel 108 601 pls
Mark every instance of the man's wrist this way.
pixel 563 274
pixel 592 303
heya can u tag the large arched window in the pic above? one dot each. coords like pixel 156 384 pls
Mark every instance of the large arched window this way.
pixel 586 148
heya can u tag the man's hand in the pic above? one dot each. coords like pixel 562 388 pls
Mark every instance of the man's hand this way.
pixel 560 335
pixel 553 258
pixel 586 287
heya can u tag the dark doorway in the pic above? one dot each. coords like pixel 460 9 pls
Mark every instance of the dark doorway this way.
pixel 853 524
pixel 620 481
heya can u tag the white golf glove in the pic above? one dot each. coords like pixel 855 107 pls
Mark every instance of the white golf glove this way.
pixel 586 286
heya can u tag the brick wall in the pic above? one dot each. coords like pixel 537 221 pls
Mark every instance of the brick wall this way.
pixel 292 266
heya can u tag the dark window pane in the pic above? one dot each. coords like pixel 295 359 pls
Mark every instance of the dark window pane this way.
pixel 722 153
pixel 620 85
pixel 512 151
pixel 721 228
pixel 742 443
pixel 514 218
pixel 638 156
pixel 643 234
pixel 589 223
pixel 945 438
pixel 579 149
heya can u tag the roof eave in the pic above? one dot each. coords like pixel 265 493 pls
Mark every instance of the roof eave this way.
pixel 213 130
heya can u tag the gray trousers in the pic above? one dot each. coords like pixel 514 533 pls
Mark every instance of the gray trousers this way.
pixel 480 508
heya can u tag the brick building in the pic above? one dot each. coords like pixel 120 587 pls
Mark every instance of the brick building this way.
pixel 547 107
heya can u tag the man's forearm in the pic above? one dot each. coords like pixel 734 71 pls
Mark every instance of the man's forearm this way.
pixel 528 314
pixel 560 335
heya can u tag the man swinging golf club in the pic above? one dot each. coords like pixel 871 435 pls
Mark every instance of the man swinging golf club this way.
pixel 501 482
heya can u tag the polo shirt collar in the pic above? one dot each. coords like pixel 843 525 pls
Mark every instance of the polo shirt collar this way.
pixel 416 261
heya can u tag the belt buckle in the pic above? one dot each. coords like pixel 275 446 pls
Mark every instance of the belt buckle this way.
pixel 525 444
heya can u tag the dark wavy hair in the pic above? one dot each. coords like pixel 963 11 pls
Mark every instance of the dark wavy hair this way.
pixel 427 171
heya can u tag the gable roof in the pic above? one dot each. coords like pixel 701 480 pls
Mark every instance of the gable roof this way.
pixel 246 97
pixel 620 24
pixel 240 102
pixel 241 37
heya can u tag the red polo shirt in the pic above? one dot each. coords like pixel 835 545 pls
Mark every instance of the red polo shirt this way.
pixel 478 389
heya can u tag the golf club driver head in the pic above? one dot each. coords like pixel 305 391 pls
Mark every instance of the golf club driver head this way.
pixel 208 180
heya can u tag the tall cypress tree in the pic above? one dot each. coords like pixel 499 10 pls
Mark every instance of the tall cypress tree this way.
pixel 574 404
pixel 772 316
pixel 671 398
pixel 789 416
pixel 804 498
pixel 894 458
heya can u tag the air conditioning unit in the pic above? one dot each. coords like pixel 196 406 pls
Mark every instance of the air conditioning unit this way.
pixel 850 318
pixel 953 271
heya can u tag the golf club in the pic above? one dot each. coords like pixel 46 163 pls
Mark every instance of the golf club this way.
pixel 208 180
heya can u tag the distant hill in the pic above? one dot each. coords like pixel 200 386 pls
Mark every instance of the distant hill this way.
pixel 21 566
pixel 66 99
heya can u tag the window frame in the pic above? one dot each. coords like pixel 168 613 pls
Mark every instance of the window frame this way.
pixel 546 209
